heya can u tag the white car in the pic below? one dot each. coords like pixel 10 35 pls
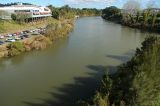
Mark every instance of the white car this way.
pixel 17 38
pixel 14 34
pixel 8 35
pixel 1 37
pixel 10 40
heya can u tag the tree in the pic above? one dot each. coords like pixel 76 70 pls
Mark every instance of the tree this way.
pixel 112 13
pixel 15 48
pixel 131 11
pixel 21 18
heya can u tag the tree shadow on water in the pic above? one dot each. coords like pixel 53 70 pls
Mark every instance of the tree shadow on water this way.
pixel 123 58
pixel 82 89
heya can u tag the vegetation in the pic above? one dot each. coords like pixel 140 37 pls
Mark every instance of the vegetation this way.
pixel 15 48
pixel 66 12
pixel 112 13
pixel 55 30
pixel 136 82
pixel 20 18
pixel 132 16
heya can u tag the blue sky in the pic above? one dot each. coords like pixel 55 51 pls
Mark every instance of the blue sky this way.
pixel 84 3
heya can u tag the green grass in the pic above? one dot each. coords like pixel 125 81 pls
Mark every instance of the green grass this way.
pixel 9 26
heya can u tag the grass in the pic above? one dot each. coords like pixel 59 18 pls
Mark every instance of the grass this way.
pixel 9 26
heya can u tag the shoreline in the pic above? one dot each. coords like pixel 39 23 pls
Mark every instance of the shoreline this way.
pixel 38 42
pixel 146 29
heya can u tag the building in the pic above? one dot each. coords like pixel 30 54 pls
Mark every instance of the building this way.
pixel 32 11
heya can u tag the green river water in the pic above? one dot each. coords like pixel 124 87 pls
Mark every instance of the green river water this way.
pixel 69 70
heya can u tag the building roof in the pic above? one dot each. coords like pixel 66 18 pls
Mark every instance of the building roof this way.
pixel 21 7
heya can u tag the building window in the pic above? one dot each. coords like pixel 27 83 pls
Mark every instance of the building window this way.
pixel 22 11
pixel 35 10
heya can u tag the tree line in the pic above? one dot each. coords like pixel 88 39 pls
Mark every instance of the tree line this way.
pixel 132 15
pixel 67 12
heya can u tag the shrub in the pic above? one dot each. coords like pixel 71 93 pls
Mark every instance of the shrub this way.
pixel 15 48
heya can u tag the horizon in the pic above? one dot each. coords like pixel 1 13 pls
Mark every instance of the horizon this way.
pixel 98 4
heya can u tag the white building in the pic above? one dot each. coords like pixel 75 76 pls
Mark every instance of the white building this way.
pixel 32 11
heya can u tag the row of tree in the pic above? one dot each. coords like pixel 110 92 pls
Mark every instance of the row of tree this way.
pixel 68 12
pixel 132 15
pixel 136 82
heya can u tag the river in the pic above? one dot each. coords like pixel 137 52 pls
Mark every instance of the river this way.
pixel 69 70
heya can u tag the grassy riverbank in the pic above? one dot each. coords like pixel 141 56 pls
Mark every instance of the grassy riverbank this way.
pixel 55 30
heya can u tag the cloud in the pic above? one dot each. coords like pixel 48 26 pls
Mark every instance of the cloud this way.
pixel 90 1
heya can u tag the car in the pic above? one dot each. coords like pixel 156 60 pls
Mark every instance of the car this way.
pixel 8 35
pixel 21 37
pixel 10 40
pixel 21 33
pixel 14 34
pixel 27 31
pixel 1 42
pixel 30 31
pixel 17 33
pixel 42 32
pixel 1 36
pixel 17 38
pixel 35 33
pixel 25 35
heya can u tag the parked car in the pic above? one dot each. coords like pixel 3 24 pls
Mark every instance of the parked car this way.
pixel 26 31
pixel 21 37
pixel 14 34
pixel 17 33
pixel 25 35
pixel 8 35
pixel 35 33
pixel 10 40
pixel 17 38
pixel 42 32
pixel 1 42
pixel 1 36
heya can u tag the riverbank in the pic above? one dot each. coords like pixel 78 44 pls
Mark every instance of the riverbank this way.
pixel 147 28
pixel 135 83
pixel 146 20
pixel 54 31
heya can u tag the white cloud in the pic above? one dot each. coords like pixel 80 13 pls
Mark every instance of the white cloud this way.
pixel 90 1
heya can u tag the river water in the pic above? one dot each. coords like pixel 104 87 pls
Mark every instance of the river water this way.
pixel 69 70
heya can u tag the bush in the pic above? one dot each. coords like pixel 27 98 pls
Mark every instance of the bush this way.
pixel 15 48
pixel 136 82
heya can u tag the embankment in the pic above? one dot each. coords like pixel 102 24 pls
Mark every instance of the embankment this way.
pixel 54 31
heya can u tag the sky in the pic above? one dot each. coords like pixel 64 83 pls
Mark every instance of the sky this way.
pixel 99 4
